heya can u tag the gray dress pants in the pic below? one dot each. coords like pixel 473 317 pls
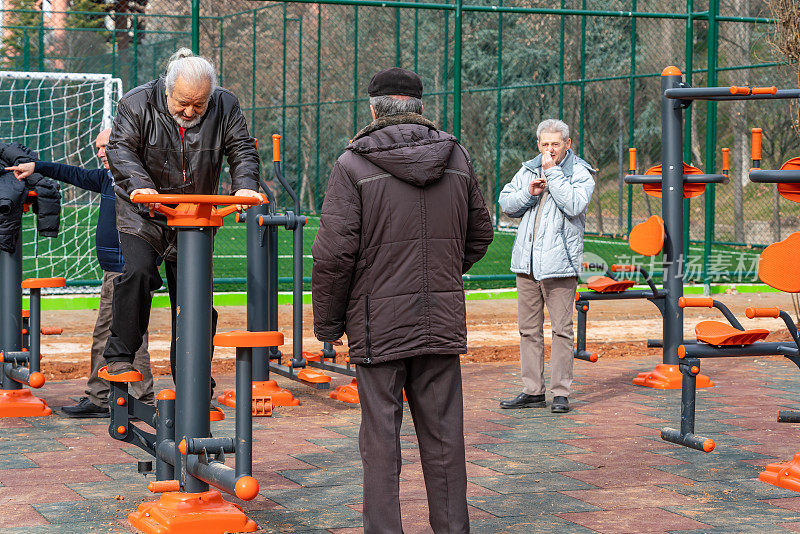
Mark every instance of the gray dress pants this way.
pixel 433 387
pixel 96 387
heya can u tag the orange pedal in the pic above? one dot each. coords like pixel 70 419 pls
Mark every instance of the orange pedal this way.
pixel 265 388
pixel 262 407
pixel 785 475
pixel 190 513
pixel 313 376
pixel 216 414
pixel 346 393
pixel 666 376
pixel 130 376
pixel 22 403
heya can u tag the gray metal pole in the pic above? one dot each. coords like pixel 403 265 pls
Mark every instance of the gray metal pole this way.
pixel 165 431
pixel 35 330
pixel 272 287
pixel 672 209
pixel 193 369
pixel 11 306
pixel 297 293
pixel 244 411
pixel 258 293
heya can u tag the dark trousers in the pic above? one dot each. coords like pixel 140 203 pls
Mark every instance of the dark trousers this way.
pixel 133 299
pixel 433 388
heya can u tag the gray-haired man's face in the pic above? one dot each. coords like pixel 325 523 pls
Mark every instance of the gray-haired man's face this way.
pixel 553 143
pixel 188 103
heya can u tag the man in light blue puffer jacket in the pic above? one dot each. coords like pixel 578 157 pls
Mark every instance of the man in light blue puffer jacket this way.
pixel 551 193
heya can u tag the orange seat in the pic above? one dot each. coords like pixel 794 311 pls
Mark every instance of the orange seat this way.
pixel 647 238
pixel 604 284
pixel 242 338
pixel 689 190
pixel 790 191
pixel 719 333
pixel 33 283
pixel 777 266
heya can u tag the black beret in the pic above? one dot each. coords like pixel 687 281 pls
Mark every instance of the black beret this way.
pixel 395 81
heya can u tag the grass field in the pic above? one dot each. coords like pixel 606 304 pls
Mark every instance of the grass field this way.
pixel 72 254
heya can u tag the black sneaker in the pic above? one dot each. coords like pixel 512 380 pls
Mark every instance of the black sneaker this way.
pixel 85 408
pixel 523 400
pixel 560 405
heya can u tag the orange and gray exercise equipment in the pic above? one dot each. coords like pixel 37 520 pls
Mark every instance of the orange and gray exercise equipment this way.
pixel 187 458
pixel 20 333
pixel 779 269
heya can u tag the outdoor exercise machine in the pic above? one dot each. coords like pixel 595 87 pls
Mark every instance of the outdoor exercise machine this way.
pixel 263 223
pixel 672 181
pixel 188 459
pixel 776 268
pixel 20 334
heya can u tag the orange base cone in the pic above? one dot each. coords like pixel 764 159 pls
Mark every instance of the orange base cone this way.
pixel 22 403
pixel 666 376
pixel 785 475
pixel 191 513
pixel 346 393
pixel 267 388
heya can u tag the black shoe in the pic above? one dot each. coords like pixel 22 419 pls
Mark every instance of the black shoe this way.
pixel 560 405
pixel 523 400
pixel 85 408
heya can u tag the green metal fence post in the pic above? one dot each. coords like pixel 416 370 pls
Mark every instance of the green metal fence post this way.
pixel 283 81
pixel 41 43
pixel 711 137
pixel 355 70
pixel 445 67
pixel 253 73
pixel 458 21
pixel 222 52
pixel 26 50
pixel 687 123
pixel 135 59
pixel 398 60
pixel 416 37
pixel 498 112
pixel 583 84
pixel 299 105
pixel 561 65
pixel 317 118
pixel 196 26
pixel 632 109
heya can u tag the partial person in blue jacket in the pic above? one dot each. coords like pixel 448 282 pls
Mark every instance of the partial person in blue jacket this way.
pixel 109 255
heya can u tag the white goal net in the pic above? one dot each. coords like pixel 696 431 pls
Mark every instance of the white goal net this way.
pixel 59 116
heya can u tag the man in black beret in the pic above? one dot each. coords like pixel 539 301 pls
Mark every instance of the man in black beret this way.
pixel 403 219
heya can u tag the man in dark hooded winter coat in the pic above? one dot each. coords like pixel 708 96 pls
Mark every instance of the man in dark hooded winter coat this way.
pixel 403 219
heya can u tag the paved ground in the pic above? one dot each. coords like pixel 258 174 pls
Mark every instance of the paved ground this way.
pixel 601 468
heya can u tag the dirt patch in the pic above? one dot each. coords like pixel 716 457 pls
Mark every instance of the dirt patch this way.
pixel 616 330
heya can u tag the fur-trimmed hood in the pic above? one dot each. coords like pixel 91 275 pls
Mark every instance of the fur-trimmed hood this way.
pixel 408 146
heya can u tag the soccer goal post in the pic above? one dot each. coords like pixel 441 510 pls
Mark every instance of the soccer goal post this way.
pixel 59 116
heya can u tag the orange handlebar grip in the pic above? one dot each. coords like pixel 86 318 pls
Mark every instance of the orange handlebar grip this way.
pixel 696 302
pixel 726 160
pixel 740 90
pixel 162 486
pixel 765 90
pixel 756 148
pixel 632 160
pixel 752 313
pixel 276 147
pixel 616 268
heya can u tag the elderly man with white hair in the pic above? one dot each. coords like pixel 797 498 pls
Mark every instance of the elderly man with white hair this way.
pixel 169 136
pixel 550 193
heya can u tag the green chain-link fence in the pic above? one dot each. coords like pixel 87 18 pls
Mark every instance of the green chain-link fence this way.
pixel 491 71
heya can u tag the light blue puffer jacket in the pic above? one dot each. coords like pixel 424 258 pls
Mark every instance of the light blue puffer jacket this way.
pixel 557 250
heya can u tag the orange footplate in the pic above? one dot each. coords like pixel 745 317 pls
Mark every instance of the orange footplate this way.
pixel 785 475
pixel 604 284
pixel 719 333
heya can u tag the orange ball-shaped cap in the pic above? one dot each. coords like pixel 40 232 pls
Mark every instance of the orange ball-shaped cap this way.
pixel 122 430
pixel 120 401
pixel 246 488
pixel 672 70
pixel 182 446
pixel 36 380
pixel 166 394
